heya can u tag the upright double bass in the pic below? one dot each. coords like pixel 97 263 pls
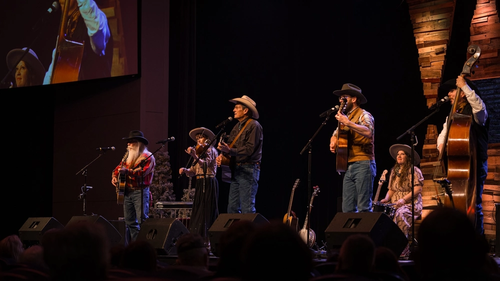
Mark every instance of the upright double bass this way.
pixel 69 49
pixel 459 178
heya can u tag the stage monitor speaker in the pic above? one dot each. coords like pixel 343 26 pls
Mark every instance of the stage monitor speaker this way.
pixel 224 221
pixel 122 229
pixel 33 229
pixel 114 237
pixel 162 233
pixel 381 228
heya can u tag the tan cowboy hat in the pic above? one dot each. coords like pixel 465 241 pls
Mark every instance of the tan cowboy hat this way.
pixel 394 149
pixel 30 58
pixel 137 135
pixel 248 102
pixel 201 130
pixel 351 90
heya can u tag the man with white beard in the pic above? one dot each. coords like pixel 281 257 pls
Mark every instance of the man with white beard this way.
pixel 132 178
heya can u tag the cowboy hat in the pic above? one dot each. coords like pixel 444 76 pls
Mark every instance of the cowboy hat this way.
pixel 394 149
pixel 451 84
pixel 248 102
pixel 30 58
pixel 137 135
pixel 201 130
pixel 351 90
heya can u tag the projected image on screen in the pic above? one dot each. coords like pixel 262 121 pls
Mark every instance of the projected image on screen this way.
pixel 62 41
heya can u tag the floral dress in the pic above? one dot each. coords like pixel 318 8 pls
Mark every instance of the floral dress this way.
pixel 402 215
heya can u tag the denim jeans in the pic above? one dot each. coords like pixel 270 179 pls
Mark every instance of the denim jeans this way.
pixel 243 189
pixel 132 210
pixel 357 187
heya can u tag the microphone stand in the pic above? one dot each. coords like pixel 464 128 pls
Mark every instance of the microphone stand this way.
pixel 309 165
pixel 86 188
pixel 411 132
pixel 142 182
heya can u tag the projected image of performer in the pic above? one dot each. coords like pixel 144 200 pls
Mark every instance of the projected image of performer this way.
pixel 84 48
pixel 28 71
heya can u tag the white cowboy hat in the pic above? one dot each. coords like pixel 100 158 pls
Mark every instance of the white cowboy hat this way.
pixel 351 90
pixel 201 130
pixel 248 102
pixel 394 149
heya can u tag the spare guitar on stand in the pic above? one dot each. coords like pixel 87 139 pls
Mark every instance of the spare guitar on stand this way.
pixel 290 218
pixel 306 233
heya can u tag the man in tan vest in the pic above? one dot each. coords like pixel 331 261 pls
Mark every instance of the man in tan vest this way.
pixel 357 132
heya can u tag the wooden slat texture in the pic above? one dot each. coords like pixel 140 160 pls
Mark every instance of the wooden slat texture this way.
pixel 485 32
pixel 432 22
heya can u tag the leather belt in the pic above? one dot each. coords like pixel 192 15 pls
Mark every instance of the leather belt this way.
pixel 204 176
pixel 248 163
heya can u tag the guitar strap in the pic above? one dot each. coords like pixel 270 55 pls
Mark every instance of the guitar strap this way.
pixel 239 134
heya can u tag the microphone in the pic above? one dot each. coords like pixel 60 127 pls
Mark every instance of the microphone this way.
pixel 223 123
pixel 166 140
pixel 105 148
pixel 440 102
pixel 329 111
pixel 51 10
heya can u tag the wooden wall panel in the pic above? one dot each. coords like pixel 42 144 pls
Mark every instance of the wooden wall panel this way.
pixel 485 32
pixel 432 23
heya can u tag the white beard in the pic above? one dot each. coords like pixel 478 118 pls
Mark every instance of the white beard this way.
pixel 133 154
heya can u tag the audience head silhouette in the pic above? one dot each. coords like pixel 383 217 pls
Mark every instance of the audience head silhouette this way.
pixel 11 248
pixel 448 246
pixel 77 252
pixel 275 251
pixel 357 255
pixel 139 255
pixel 230 263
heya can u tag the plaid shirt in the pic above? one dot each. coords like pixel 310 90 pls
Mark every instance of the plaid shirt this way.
pixel 138 176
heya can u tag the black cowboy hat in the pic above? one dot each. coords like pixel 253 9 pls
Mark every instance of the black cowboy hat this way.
pixel 351 90
pixel 451 84
pixel 30 58
pixel 137 135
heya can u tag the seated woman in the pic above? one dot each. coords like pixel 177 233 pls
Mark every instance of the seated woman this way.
pixel 400 189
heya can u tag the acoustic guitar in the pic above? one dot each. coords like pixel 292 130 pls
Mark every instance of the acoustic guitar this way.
pixel 122 180
pixel 342 134
pixel 225 162
pixel 290 218
pixel 380 183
